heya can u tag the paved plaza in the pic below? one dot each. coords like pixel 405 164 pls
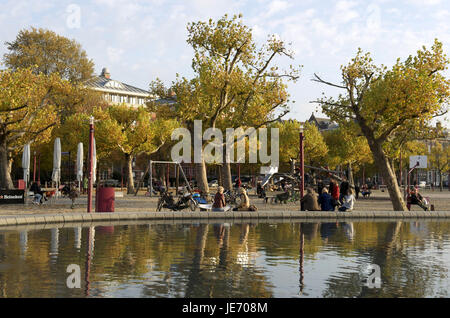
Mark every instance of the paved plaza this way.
pixel 379 201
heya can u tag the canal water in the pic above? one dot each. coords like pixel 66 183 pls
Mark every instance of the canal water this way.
pixel 359 259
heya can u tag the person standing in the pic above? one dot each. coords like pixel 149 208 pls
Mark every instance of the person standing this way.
pixel 85 185
pixel 357 190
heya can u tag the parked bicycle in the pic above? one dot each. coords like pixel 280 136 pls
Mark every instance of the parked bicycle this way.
pixel 166 201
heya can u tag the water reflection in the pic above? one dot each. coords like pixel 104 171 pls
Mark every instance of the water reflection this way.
pixel 228 260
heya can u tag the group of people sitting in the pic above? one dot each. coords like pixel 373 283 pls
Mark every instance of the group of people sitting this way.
pixel 329 199
pixel 41 196
pixel 220 204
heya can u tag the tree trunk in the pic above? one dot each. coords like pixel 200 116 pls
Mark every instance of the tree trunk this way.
pixel 441 181
pixel 5 169
pixel 350 174
pixel 389 177
pixel 130 181
pixel 202 179
pixel 226 176
pixel 219 176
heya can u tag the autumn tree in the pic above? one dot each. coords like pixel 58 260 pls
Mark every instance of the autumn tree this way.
pixel 51 53
pixel 439 160
pixel 29 110
pixel 347 148
pixel 236 84
pixel 133 132
pixel 315 148
pixel 382 100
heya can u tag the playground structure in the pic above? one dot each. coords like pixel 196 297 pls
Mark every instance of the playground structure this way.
pixel 179 168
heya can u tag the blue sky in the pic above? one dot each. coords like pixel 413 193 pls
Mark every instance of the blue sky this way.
pixel 141 40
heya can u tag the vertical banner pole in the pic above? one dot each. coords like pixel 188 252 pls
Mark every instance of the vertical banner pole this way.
pixel 91 166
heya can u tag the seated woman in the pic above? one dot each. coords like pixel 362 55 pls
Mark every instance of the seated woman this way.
pixel 365 191
pixel 219 201
pixel 38 194
pixel 348 201
pixel 310 201
pixel 326 201
pixel 245 201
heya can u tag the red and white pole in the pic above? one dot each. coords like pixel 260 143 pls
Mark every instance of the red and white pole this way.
pixel 302 163
pixel 91 166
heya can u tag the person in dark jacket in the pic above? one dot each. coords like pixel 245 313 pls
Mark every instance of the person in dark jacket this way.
pixel 343 189
pixel 326 201
pixel 310 201
pixel 357 191
pixel 320 186
pixel 38 193
pixel 219 201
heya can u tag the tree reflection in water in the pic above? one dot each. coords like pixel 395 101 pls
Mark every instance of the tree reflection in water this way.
pixel 228 260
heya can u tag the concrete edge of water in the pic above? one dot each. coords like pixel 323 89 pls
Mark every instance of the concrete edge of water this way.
pixel 118 218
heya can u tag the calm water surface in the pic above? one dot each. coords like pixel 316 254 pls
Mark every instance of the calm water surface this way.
pixel 223 260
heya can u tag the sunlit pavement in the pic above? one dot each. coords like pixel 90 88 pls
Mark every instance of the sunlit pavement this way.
pixel 379 201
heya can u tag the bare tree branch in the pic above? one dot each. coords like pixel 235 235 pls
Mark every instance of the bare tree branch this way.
pixel 319 80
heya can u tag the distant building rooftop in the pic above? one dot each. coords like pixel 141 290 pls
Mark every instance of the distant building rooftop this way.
pixel 104 83
pixel 323 123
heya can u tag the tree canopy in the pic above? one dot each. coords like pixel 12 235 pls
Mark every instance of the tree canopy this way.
pixel 49 53
pixel 382 101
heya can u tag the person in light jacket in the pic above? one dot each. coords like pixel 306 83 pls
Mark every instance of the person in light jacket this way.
pixel 348 201
pixel 245 201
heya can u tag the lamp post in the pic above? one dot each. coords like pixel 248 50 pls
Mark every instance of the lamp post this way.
pixel 34 167
pixel 302 163
pixel 91 166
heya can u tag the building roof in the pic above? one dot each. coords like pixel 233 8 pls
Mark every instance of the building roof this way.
pixel 104 83
pixel 323 123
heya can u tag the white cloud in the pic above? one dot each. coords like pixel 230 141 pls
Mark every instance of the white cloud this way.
pixel 114 54
pixel 344 12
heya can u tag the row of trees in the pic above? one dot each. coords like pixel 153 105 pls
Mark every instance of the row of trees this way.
pixel 236 83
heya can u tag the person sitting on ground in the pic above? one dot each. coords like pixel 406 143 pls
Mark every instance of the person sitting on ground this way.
pixel 38 193
pixel 219 201
pixel 245 201
pixel 334 189
pixel 417 199
pixel 348 201
pixel 357 191
pixel 310 201
pixel 343 189
pixel 365 191
pixel 326 201
pixel 320 186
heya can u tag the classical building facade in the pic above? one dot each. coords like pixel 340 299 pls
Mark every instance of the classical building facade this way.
pixel 115 92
